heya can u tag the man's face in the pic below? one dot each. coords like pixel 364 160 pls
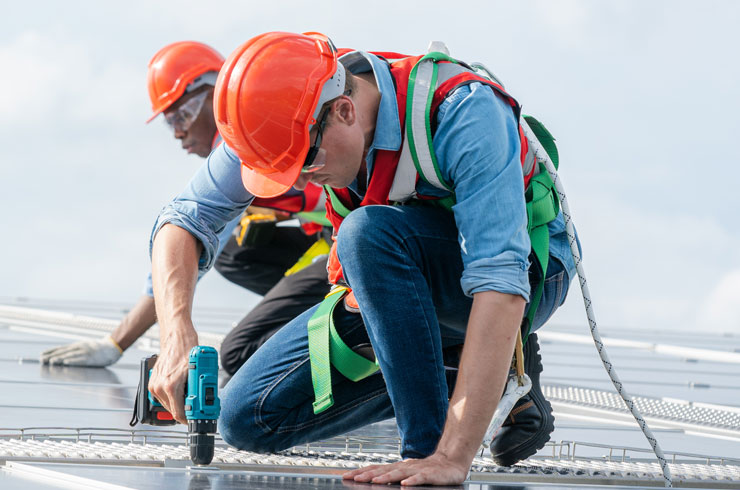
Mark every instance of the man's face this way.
pixel 191 119
pixel 342 149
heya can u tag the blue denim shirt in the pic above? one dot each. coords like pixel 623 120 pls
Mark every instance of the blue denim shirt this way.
pixel 474 127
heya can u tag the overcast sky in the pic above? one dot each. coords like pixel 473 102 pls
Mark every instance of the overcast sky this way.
pixel 642 96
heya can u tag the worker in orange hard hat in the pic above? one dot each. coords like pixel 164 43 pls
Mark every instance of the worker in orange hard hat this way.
pixel 413 283
pixel 252 252
pixel 180 80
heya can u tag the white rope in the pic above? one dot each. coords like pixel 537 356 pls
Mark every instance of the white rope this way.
pixel 543 158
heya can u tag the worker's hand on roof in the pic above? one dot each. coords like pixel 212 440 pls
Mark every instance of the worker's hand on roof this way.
pixel 433 470
pixel 90 353
pixel 169 376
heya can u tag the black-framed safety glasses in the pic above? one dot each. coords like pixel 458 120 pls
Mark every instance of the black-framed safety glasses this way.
pixel 309 165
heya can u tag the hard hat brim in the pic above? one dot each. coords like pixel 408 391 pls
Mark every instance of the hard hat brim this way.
pixel 269 185
pixel 156 113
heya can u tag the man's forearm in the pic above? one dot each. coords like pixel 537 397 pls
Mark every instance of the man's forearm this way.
pixel 141 317
pixel 174 275
pixel 489 345
pixel 175 255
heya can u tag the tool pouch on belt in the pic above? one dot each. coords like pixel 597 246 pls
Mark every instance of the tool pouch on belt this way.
pixel 255 230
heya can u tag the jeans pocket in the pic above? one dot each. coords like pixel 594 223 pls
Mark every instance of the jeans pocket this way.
pixel 555 286
pixel 553 295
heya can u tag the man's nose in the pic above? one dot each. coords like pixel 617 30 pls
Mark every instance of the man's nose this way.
pixel 180 134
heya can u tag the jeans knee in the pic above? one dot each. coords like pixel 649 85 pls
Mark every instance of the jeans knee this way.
pixel 366 228
pixel 354 227
pixel 236 428
pixel 239 428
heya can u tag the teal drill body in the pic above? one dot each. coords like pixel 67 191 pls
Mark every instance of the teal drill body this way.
pixel 201 402
pixel 202 405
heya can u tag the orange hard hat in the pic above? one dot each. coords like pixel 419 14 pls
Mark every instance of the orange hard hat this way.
pixel 267 97
pixel 177 68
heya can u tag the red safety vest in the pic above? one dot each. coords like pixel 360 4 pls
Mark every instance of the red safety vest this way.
pixel 386 161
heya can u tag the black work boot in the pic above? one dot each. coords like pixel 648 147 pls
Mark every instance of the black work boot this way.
pixel 528 427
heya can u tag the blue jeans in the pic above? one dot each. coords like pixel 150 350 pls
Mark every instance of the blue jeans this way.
pixel 404 266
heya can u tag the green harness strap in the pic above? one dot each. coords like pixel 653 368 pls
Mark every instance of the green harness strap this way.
pixel 315 217
pixel 542 207
pixel 326 349
pixel 336 204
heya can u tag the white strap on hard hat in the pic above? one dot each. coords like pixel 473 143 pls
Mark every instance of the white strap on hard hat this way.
pixel 333 88
pixel 208 78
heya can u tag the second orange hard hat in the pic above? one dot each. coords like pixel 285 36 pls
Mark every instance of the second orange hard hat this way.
pixel 176 66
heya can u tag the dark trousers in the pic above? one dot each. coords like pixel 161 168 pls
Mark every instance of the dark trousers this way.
pixel 261 269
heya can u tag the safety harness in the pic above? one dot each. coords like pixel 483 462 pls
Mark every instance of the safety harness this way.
pixel 430 80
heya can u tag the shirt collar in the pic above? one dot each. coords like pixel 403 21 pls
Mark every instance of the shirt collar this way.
pixel 387 127
pixel 387 134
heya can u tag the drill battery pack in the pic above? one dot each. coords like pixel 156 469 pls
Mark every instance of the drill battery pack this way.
pixel 147 409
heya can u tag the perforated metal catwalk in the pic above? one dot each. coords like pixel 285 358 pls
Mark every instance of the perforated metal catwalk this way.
pixel 68 427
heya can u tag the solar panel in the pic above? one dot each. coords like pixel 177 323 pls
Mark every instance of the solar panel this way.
pixel 69 426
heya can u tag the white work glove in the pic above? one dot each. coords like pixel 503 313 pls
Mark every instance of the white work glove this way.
pixel 90 353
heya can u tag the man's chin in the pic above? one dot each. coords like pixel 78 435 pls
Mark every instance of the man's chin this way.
pixel 201 151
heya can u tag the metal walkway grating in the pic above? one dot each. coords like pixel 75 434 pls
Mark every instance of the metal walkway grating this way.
pixel 550 470
pixel 678 411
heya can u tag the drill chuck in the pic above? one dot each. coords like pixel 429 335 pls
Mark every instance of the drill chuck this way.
pixel 201 440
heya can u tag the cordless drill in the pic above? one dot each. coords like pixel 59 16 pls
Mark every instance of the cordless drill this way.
pixel 202 405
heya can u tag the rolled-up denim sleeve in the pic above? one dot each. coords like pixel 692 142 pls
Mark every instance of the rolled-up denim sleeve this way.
pixel 478 148
pixel 213 199
pixel 223 237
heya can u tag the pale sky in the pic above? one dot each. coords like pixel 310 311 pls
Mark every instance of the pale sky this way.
pixel 642 96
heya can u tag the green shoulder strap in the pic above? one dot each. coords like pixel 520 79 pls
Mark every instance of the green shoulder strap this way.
pixel 326 349
pixel 336 203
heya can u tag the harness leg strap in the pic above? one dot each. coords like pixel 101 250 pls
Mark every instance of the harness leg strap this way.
pixel 326 348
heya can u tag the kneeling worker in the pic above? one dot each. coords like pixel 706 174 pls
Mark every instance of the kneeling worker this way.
pixel 450 267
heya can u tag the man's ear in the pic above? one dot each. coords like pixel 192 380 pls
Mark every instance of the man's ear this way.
pixel 344 110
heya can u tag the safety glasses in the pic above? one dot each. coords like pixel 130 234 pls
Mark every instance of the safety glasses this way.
pixel 311 164
pixel 186 114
